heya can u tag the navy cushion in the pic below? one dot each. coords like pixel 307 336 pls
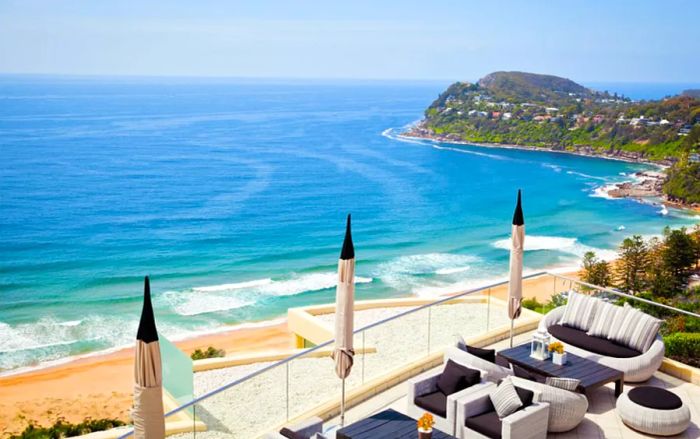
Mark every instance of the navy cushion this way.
pixel 456 377
pixel 596 345
pixel 435 403
pixel 525 396
pixel 487 424
pixel 655 398
pixel 484 354
pixel 290 434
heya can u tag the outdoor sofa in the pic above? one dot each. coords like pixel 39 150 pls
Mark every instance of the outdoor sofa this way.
pixel 637 366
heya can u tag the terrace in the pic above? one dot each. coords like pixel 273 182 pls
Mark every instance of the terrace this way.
pixel 398 340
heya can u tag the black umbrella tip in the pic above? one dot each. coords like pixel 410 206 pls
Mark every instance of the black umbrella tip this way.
pixel 518 219
pixel 147 331
pixel 348 251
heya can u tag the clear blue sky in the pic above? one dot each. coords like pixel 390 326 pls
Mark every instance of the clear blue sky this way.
pixel 637 41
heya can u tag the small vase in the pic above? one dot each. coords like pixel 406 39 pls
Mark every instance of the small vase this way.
pixel 425 434
pixel 559 359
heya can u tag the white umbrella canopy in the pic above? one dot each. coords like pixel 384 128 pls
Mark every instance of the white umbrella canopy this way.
pixel 344 353
pixel 515 284
pixel 148 379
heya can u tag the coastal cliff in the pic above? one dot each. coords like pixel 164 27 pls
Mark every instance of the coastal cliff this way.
pixel 534 111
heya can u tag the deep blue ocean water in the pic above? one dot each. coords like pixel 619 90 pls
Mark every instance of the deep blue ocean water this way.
pixel 232 196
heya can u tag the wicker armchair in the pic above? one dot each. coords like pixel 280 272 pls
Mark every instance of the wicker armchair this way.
pixel 527 423
pixel 426 384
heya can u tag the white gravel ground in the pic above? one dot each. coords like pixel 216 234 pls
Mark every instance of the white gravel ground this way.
pixel 269 399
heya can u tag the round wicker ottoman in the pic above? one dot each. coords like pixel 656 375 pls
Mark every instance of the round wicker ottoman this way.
pixel 653 410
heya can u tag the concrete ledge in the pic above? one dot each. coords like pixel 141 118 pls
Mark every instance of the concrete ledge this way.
pixel 681 371
pixel 261 357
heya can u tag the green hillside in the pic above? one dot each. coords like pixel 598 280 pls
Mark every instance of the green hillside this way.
pixel 543 110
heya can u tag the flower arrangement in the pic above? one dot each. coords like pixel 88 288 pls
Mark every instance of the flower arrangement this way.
pixel 557 347
pixel 426 422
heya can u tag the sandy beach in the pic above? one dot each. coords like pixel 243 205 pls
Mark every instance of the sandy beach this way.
pixel 45 394
pixel 100 386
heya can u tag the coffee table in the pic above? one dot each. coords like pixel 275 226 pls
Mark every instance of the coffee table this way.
pixel 591 374
pixel 386 424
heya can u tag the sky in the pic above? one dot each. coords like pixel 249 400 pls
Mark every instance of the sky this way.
pixel 593 40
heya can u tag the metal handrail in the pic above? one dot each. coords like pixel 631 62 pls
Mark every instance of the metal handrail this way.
pixel 326 343
pixel 402 314
pixel 626 295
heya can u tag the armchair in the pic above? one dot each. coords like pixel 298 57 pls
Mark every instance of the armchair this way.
pixel 477 418
pixel 423 389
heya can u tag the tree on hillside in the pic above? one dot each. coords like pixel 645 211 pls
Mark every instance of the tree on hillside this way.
pixel 659 278
pixel 595 271
pixel 678 256
pixel 632 265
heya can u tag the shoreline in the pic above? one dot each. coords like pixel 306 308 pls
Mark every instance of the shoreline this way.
pixel 413 134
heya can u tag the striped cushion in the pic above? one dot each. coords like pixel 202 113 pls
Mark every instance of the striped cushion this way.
pixel 644 333
pixel 580 311
pixel 605 316
pixel 625 331
pixel 505 399
pixel 563 383
pixel 617 320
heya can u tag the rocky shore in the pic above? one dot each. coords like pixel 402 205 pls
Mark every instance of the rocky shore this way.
pixel 645 184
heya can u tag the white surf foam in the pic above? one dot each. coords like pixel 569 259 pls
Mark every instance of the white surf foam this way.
pixel 234 286
pixel 581 174
pixel 408 272
pixel 557 243
pixel 602 192
pixel 230 296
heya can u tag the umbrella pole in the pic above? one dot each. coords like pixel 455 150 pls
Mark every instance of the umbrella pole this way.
pixel 342 404
pixel 511 332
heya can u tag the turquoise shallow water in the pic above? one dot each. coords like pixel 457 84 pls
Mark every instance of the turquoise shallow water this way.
pixel 232 196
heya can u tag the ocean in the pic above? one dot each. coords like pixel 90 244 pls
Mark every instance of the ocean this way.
pixel 232 196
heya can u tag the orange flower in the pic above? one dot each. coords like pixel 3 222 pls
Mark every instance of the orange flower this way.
pixel 426 421
pixel 557 347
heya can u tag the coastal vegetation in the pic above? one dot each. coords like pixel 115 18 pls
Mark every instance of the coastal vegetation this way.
pixel 533 110
pixel 61 428
pixel 658 269
pixel 210 352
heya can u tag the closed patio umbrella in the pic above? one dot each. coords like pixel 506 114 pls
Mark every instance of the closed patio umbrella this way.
pixel 148 381
pixel 344 309
pixel 515 285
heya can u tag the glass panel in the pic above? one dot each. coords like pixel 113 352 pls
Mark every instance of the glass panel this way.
pixel 178 378
pixel 396 343
pixel 465 317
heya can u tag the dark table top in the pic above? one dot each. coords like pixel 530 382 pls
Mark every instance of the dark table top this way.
pixel 386 424
pixel 589 372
